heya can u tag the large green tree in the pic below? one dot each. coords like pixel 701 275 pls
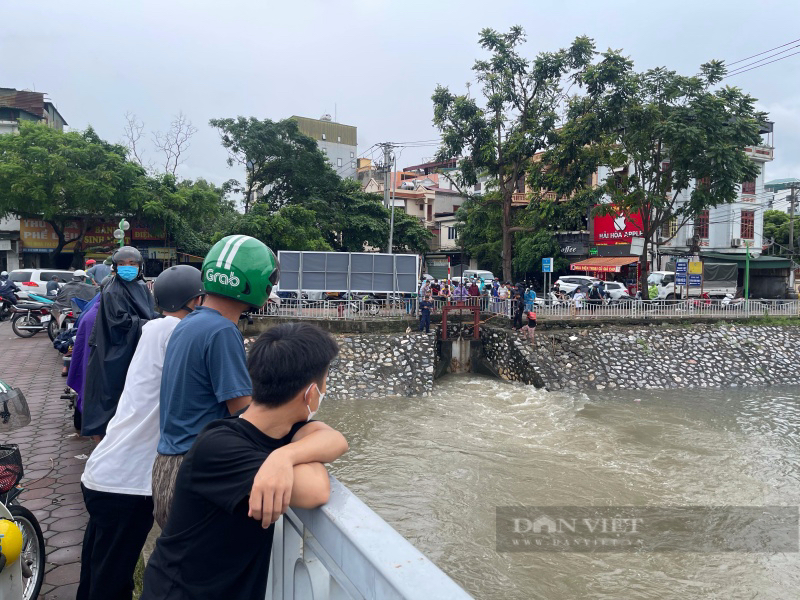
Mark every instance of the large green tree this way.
pixel 66 177
pixel 499 133
pixel 286 172
pixel 651 135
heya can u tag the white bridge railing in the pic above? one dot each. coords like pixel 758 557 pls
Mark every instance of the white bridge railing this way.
pixel 545 310
pixel 344 551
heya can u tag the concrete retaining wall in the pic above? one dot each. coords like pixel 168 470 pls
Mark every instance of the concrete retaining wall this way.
pixel 699 356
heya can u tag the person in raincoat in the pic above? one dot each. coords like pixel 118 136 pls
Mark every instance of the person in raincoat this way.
pixel 125 306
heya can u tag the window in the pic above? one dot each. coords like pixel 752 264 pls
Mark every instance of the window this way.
pixel 670 228
pixel 430 212
pixel 748 224
pixel 323 137
pixel 704 184
pixel 338 162
pixel 748 187
pixel 339 139
pixel 352 155
pixel 452 233
pixel 478 187
pixel 701 225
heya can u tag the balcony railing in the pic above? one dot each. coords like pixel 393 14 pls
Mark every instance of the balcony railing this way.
pixel 345 551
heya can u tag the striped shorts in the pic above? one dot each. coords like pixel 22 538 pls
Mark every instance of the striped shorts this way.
pixel 165 472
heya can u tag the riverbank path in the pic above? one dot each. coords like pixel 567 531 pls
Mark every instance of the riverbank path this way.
pixel 52 454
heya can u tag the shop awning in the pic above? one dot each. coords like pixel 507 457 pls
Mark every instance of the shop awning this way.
pixel 764 261
pixel 604 264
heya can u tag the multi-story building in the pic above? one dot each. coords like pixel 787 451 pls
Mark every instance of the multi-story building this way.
pixel 17 106
pixel 337 141
pixel 22 105
pixel 778 194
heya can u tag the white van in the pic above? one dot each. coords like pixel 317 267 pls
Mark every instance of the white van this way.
pixel 484 276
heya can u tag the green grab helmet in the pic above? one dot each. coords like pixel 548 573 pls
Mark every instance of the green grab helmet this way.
pixel 242 268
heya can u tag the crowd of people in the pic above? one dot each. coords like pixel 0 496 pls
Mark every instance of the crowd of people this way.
pixel 516 301
pixel 192 433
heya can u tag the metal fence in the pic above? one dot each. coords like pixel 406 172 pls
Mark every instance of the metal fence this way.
pixel 545 310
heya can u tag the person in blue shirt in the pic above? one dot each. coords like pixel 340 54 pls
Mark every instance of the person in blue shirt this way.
pixel 530 298
pixel 205 373
pixel 425 306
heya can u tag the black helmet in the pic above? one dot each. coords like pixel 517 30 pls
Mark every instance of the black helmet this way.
pixel 125 253
pixel 176 286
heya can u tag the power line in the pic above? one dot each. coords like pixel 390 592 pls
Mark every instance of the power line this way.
pixel 759 66
pixel 755 62
pixel 760 53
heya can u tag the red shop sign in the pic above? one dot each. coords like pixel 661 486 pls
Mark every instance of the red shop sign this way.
pixel 617 229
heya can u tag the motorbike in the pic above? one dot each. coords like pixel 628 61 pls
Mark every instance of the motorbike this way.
pixel 5 308
pixel 729 303
pixel 29 318
pixel 366 302
pixel 22 548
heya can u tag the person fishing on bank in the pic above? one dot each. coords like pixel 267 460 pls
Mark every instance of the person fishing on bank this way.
pixel 116 482
pixel 125 306
pixel 205 371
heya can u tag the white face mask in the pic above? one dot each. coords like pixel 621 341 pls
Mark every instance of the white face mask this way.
pixel 311 413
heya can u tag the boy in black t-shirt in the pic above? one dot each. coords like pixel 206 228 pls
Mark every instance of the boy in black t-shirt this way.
pixel 425 306
pixel 215 544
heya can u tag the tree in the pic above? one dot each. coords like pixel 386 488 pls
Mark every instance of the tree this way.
pixel 172 144
pixel 279 161
pixel 516 119
pixel 776 227
pixel 652 134
pixel 66 177
pixel 286 170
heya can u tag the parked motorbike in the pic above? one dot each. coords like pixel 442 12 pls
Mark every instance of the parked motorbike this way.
pixel 22 549
pixel 729 303
pixel 29 318
pixel 5 308
pixel 366 302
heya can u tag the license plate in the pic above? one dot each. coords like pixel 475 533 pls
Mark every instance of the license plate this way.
pixel 45 318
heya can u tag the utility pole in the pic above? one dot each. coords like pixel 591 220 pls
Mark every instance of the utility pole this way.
pixel 391 219
pixel 387 151
pixel 792 199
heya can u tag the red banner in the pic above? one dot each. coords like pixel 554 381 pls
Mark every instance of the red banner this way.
pixel 617 229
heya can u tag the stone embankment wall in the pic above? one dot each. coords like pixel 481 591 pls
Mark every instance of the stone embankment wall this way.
pixel 380 365
pixel 697 356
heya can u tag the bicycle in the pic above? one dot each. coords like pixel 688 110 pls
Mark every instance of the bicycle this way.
pixel 22 548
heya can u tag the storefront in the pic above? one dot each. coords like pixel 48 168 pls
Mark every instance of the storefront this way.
pixel 624 269
pixel 612 235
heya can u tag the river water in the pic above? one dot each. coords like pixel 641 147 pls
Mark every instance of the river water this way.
pixel 435 468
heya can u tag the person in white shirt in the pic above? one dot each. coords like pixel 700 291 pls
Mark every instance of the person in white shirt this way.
pixel 116 482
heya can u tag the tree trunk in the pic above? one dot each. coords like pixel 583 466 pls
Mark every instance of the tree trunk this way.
pixel 62 240
pixel 643 271
pixel 506 227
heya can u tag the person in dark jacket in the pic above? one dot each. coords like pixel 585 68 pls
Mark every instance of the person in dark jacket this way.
pixel 125 306
pixel 8 289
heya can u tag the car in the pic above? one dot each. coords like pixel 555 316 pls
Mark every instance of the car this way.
pixel 484 276
pixel 616 290
pixel 569 283
pixel 34 281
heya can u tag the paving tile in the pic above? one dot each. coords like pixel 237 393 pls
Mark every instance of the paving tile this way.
pixel 67 538
pixel 70 523
pixel 65 556
pixel 64 575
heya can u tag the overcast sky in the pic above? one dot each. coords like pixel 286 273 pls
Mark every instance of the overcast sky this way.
pixel 375 63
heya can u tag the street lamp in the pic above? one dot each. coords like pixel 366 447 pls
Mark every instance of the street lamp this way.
pixel 119 234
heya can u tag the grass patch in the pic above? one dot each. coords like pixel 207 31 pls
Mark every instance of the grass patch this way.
pixel 138 578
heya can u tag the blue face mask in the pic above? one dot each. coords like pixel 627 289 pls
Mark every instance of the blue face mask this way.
pixel 128 273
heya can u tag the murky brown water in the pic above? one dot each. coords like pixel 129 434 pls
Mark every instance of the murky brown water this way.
pixel 436 468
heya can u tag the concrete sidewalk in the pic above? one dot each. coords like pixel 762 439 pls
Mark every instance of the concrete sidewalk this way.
pixel 52 455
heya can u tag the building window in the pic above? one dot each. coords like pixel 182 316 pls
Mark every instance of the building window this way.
pixel 452 233
pixel 430 212
pixel 478 187
pixel 323 137
pixel 704 184
pixel 352 155
pixel 748 227
pixel 749 187
pixel 339 139
pixel 670 228
pixel 701 225
pixel 352 164
pixel 338 162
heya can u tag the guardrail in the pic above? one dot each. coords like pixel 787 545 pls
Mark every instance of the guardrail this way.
pixel 344 550
pixel 545 309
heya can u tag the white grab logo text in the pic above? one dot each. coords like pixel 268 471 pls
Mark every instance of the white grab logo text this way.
pixel 222 278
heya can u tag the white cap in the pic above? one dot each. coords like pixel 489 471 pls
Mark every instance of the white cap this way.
pixel 79 273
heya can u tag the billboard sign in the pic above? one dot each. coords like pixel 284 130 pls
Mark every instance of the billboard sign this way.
pixel 348 271
pixel 617 228
pixel 39 236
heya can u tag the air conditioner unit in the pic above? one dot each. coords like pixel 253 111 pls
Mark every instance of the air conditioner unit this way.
pixel 736 242
pixel 690 241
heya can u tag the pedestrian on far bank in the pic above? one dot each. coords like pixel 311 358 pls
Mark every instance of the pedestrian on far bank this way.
pixel 425 307
pixel 444 293
pixel 531 326
pixel 530 298
pixel 519 308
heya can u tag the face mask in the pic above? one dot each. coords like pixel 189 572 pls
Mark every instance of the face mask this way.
pixel 128 273
pixel 311 413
